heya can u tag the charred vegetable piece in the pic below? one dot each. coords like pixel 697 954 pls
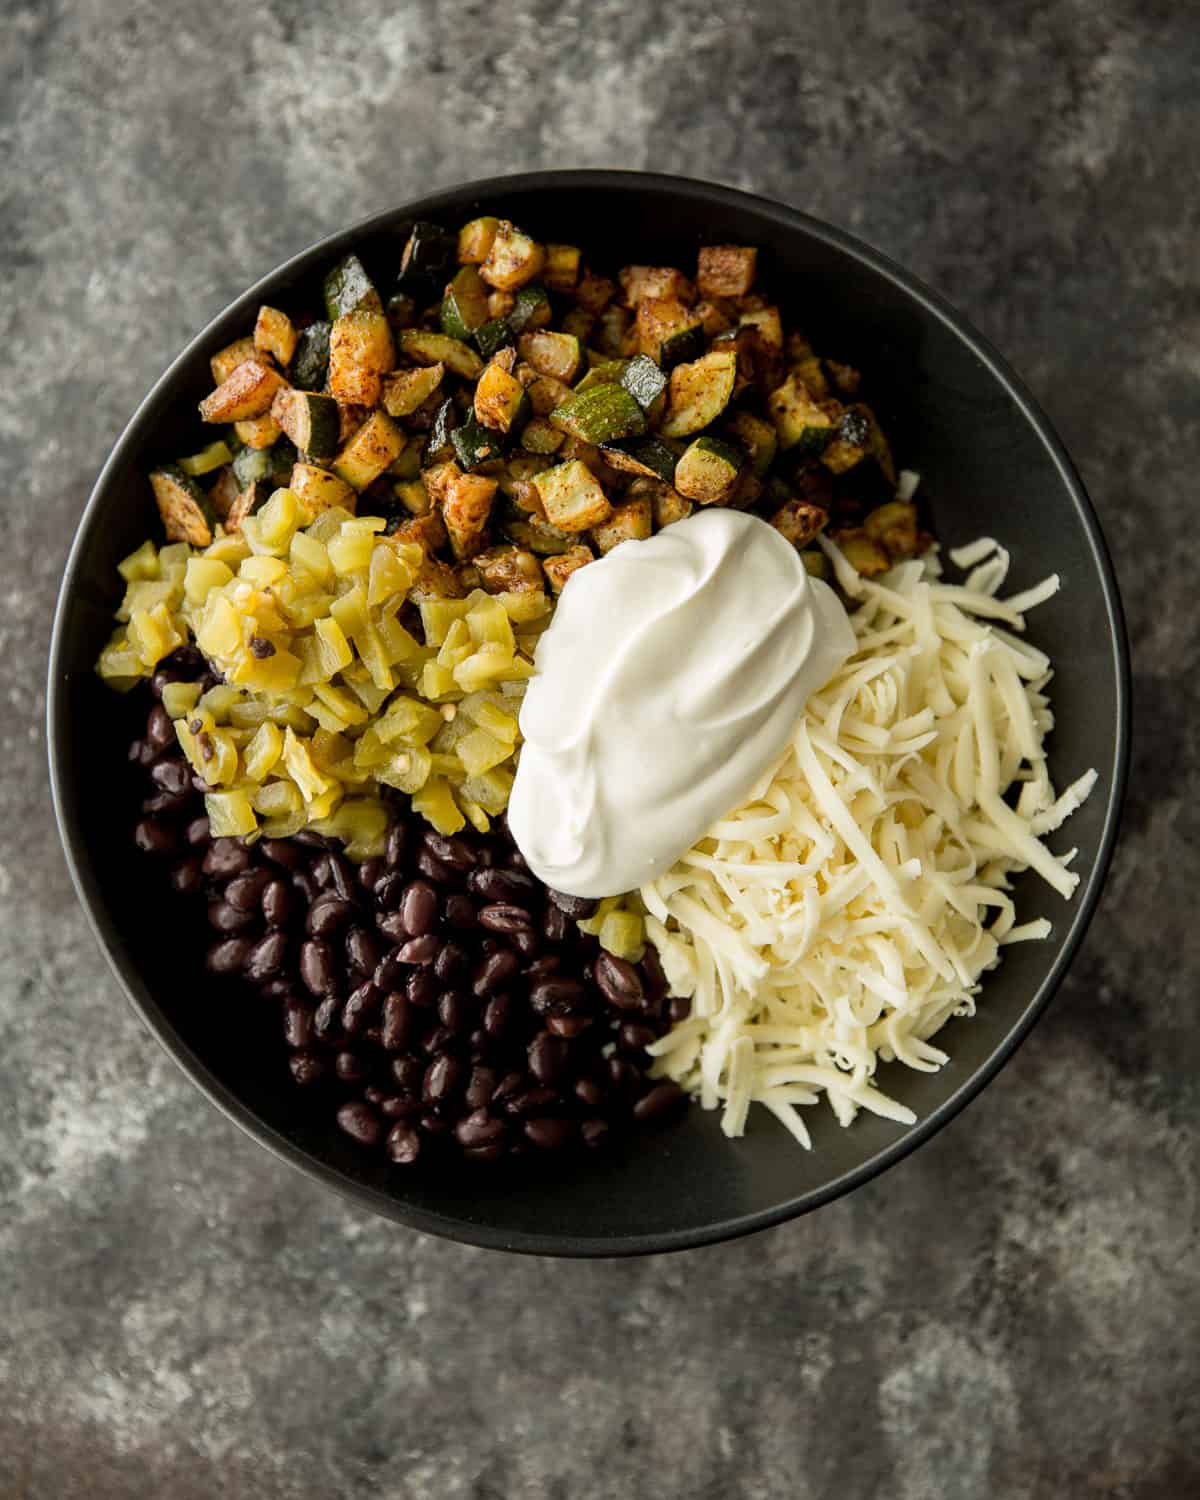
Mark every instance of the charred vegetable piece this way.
pixel 668 506
pixel 401 311
pixel 225 361
pixel 360 352
pixel 629 522
pixel 559 569
pixel 757 437
pixel 494 335
pixel 605 414
pixel 475 444
pixel 594 293
pixel 800 522
pixel 406 390
pixel 644 380
pixel 445 420
pixel 513 259
pixel 274 334
pixel 500 399
pixel 347 288
pixel 475 240
pixel 726 270
pixel 539 435
pixel 465 512
pixel 311 421
pixel 318 490
pixel 800 422
pixel 248 392
pixel 464 307
pixel 708 471
pixel 310 362
pixel 538 535
pixel 187 515
pixel 572 497
pixel 376 444
pixel 438 348
pixel 429 253
pixel 699 392
pixel 648 456
pixel 258 432
pixel 559 355
pixel 531 309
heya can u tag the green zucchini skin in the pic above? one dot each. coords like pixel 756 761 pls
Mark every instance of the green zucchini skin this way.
pixel 531 307
pixel 311 420
pixel 708 470
pixel 475 444
pixel 604 414
pixel 494 335
pixel 347 288
pixel 646 455
pixel 644 380
pixel 310 363
pixel 682 347
pixel 445 420
pixel 271 465
pixel 429 252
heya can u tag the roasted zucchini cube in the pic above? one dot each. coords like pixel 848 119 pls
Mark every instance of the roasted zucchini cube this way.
pixel 603 414
pixel 225 361
pixel 376 444
pixel 572 497
pixel 557 355
pixel 561 269
pixel 475 444
pixel 429 252
pixel 475 240
pixel 667 330
pixel 894 526
pixel 699 393
pixel 726 270
pixel 559 569
pixel 406 390
pixel 310 362
pixel 646 456
pixel 347 288
pixel 757 437
pixel 530 309
pixel 465 306
pixel 801 423
pixel 439 348
pixel 319 490
pixel 247 392
pixel 312 421
pixel 274 334
pixel 644 381
pixel 187 515
pixel 500 399
pixel 708 471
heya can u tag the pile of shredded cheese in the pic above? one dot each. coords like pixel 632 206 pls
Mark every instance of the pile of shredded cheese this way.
pixel 848 908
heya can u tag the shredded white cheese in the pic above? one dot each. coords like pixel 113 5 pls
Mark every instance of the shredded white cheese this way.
pixel 848 909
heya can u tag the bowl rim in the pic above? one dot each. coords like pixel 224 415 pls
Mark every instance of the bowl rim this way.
pixel 88 887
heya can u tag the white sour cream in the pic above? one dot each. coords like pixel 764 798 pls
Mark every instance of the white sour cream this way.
pixel 671 677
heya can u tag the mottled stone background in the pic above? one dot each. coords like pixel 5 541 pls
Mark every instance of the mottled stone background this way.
pixel 1013 1311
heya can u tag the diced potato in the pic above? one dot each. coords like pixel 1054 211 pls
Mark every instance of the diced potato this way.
pixel 638 283
pixel 465 512
pixel 368 453
pixel 726 270
pixel 225 361
pixel 800 522
pixel 274 333
pixel 572 497
pixel 513 258
pixel 405 390
pixel 247 392
pixel 509 568
pixel 628 522
pixel 559 569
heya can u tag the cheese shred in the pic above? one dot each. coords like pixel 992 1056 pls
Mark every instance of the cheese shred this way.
pixel 849 907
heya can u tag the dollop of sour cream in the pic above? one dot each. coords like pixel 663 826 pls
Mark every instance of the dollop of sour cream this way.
pixel 671 677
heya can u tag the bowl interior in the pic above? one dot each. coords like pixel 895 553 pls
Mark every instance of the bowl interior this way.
pixel 987 468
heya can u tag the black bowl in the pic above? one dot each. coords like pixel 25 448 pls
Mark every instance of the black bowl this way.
pixel 992 464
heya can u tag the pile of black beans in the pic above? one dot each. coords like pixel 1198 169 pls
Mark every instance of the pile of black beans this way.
pixel 437 998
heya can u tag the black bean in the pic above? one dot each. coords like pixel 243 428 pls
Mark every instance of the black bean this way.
pixel 389 891
pixel 245 891
pixel 310 839
pixel 391 924
pixel 547 1057
pixel 531 1101
pixel 280 988
pixel 495 971
pixel 595 1133
pixel 397 1022
pixel 266 957
pixel 361 1008
pixel 487 859
pixel 480 1087
pixel 420 950
pixel 480 1045
pixel 153 837
pixel 297 1022
pixel 349 1067
pixel 277 903
pixel 403 1145
pixel 197 832
pixel 547 1133
pixel 421 987
pixel 303 882
pixel 441 1079
pixel 460 911
pixel 419 908
pixel 434 868
pixel 341 875
pixel 226 858
pixel 371 872
pixel 456 1011
pixel 327 1018
pixel 226 918
pixel 508 886
pixel 187 877
pixel 479 1129
pixel 574 906
pixel 501 917
pixel 619 982
pixel 451 963
pixel 569 1025
pixel 397 839
pixel 328 915
pixel 363 952
pixel 160 731
pixel 316 966
pixel 484 1154
pixel 662 1100
pixel 622 1075
pixel 589 1092
pixel 172 776
pixel 399 1106
pixel 526 942
pixel 227 957
pixel 556 925
pixel 440 1039
pixel 509 1087
pixel 679 1009
pixel 306 1067
pixel 636 1037
pixel 450 851
pixel 654 981
pixel 497 1015
pixel 374 1095
pixel 555 992
pixel 409 1073
pixel 321 873
pixel 283 852
pixel 541 968
pixel 433 1125
pixel 389 971
pixel 361 1123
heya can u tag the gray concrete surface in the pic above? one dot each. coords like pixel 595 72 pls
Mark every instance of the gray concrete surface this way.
pixel 1013 1311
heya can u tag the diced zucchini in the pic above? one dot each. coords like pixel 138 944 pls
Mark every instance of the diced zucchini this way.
pixel 445 420
pixel 348 288
pixel 572 497
pixel 531 309
pixel 648 456
pixel 208 459
pixel 639 283
pixel 536 533
pixel 544 391
pixel 310 363
pixel 726 270
pixel 368 453
pixel 708 471
pixel 800 522
pixel 224 492
pixel 401 311
pixel 758 437
pixel 439 348
pixel 494 335
pixel 247 392
pixel 405 390
pixel 605 414
pixel 475 240
pixel 609 336
pixel 360 353
pixel 699 393
pixel 602 372
pixel 859 435
pixel 508 569
pixel 559 569
pixel 258 432
pixel 414 497
pixel 558 355
pixel 186 513
pixel 475 444
pixel 464 307
pixel 629 522
pixel 668 506
pixel 579 323
pixel 319 490
pixel 465 512
pixel 271 465
pixel 513 259
pixel 766 322
pixel 800 422
pixel 500 399
pixel 644 381
pixel 681 346
pixel 811 371
pixel 668 331
pixel 274 334
pixel 429 252
pixel 311 421
pixel 539 435
pixel 225 361
pixel 561 270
